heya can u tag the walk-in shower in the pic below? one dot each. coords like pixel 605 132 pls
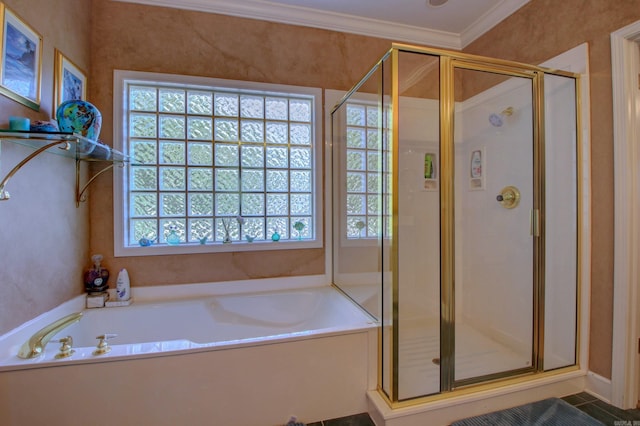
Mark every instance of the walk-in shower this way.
pixel 455 185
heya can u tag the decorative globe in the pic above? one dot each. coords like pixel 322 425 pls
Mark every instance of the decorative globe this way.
pixel 80 117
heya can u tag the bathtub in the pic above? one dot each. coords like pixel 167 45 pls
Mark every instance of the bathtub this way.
pixel 254 358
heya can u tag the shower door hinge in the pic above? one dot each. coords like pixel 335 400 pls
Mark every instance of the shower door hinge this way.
pixel 534 222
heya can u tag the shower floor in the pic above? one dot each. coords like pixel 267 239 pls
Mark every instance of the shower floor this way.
pixel 476 355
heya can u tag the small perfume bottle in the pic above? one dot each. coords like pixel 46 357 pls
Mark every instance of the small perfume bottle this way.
pixel 173 238
pixel 299 226
pixel 95 279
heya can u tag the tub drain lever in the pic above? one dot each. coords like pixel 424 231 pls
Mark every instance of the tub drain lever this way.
pixel 103 347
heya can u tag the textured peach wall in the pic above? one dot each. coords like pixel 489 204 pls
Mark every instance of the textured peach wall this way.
pixel 143 38
pixel 166 40
pixel 44 241
pixel 541 30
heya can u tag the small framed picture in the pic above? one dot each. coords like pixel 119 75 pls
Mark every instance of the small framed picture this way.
pixel 477 169
pixel 20 60
pixel 430 172
pixel 70 82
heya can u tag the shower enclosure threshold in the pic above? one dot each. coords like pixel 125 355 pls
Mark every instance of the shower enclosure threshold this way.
pixel 443 409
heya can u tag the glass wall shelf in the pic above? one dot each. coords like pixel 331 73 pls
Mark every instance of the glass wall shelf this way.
pixel 65 144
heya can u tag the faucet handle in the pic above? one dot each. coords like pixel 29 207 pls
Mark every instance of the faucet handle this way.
pixel 103 347
pixel 65 347
pixel 107 336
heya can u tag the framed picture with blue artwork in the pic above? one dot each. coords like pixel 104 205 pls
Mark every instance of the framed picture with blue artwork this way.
pixel 70 82
pixel 20 60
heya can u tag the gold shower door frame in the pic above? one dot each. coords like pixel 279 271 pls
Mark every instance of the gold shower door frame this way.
pixel 447 215
pixel 449 61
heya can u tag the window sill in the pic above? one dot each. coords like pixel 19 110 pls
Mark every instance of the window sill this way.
pixel 234 247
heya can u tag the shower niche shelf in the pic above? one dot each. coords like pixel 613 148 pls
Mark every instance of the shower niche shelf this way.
pixel 68 145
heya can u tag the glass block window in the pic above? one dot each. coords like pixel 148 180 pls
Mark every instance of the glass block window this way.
pixel 218 165
pixel 365 172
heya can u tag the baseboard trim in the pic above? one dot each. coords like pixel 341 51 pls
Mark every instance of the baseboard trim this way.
pixel 599 386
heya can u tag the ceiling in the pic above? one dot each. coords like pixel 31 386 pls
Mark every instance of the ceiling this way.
pixel 453 25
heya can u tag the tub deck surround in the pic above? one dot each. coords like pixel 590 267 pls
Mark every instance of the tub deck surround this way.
pixel 318 378
pixel 154 325
pixel 232 359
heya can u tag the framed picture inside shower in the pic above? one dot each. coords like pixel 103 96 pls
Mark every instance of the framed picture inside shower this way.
pixel 477 170
pixel 20 60
pixel 430 182
pixel 70 81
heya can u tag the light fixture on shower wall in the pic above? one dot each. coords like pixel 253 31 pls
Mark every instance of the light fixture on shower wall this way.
pixel 436 3
pixel 497 120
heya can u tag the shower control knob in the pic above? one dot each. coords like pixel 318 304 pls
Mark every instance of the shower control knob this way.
pixel 506 197
pixel 509 197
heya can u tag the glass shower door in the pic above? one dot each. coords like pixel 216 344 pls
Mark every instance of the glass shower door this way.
pixel 494 221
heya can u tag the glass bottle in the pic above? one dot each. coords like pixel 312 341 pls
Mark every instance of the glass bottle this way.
pixel 173 238
pixel 95 279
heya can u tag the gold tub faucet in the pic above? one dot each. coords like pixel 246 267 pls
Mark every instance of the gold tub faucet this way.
pixel 34 347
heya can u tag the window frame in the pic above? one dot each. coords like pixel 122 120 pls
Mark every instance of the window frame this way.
pixel 123 78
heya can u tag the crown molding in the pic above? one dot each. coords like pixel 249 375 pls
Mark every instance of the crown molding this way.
pixel 296 15
pixel 490 19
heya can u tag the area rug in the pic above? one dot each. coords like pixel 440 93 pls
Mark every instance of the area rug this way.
pixel 548 412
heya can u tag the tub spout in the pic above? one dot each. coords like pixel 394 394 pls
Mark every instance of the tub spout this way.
pixel 34 347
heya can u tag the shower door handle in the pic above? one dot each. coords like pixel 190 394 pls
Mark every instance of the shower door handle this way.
pixel 534 223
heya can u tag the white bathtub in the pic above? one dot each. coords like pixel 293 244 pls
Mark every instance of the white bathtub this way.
pixel 249 359
pixel 152 327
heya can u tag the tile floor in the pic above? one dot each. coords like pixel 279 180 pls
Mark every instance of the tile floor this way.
pixel 600 410
pixel 362 419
